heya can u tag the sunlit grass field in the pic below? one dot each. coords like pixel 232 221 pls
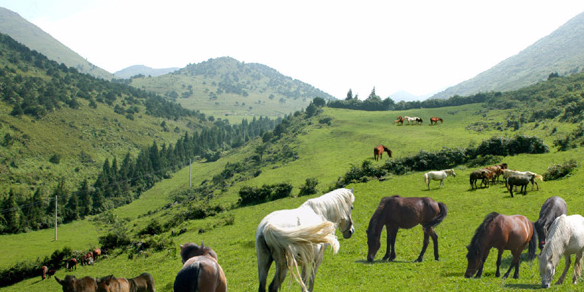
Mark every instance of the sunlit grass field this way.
pixel 326 153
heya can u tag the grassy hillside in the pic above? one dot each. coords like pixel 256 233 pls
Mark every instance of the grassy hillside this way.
pixel 35 38
pixel 558 52
pixel 226 88
pixel 326 152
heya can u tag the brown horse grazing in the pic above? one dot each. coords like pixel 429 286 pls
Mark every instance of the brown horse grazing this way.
pixel 96 254
pixel 399 120
pixel 71 263
pixel 434 120
pixel 72 284
pixel 396 212
pixel 378 152
pixel 142 283
pixel 482 174
pixel 44 271
pixel 503 233
pixel 201 270
pixel 113 284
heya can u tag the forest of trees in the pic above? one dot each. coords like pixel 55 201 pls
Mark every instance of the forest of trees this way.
pixel 121 183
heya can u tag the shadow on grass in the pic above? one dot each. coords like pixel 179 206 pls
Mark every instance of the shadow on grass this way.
pixel 523 286
pixel 376 262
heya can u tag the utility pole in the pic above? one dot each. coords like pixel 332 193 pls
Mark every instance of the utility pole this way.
pixel 190 162
pixel 55 217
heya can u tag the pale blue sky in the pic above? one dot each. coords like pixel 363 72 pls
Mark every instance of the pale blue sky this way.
pixel 416 46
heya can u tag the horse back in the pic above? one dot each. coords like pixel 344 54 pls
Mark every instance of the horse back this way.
pixel 142 283
pixel 200 273
pixel 408 212
pixel 511 232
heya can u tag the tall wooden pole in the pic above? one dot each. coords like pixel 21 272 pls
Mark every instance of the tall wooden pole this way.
pixel 55 217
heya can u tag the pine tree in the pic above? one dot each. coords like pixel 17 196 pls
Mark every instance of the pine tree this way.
pixel 13 214
pixel 85 201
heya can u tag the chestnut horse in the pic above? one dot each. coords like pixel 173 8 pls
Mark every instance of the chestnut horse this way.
pixel 44 271
pixel 551 209
pixel 503 233
pixel 396 212
pixel 399 120
pixel 378 152
pixel 85 284
pixel 201 270
pixel 434 120
pixel 71 263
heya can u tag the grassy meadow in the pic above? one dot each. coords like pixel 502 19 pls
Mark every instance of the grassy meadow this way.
pixel 327 152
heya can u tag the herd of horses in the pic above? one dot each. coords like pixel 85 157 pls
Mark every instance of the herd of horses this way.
pixel 416 120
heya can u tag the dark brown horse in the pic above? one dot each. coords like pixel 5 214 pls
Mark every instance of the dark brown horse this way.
pixel 483 174
pixel 201 270
pixel 553 208
pixel 503 233
pixel 72 284
pixel 71 263
pixel 396 212
pixel 378 152
pixel 434 120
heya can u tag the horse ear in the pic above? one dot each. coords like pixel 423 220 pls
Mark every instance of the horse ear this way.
pixel 202 244
pixel 59 281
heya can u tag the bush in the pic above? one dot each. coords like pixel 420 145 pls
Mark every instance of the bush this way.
pixel 558 171
pixel 309 188
pixel 253 195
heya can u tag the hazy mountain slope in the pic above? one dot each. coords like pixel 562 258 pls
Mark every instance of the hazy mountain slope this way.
pixel 560 52
pixel 143 70
pixel 35 38
pixel 224 86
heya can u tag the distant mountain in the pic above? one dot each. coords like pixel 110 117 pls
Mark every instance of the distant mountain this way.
pixel 560 52
pixel 225 86
pixel 143 70
pixel 406 96
pixel 35 38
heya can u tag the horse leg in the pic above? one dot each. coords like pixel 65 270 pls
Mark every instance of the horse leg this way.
pixel 568 262
pixel 390 254
pixel 515 262
pixel 499 255
pixel 317 261
pixel 280 275
pixel 435 242
pixel 426 241
pixel 577 267
pixel 442 183
pixel 264 262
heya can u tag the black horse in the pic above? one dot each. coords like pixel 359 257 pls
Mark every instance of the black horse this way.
pixel 550 210
pixel 519 180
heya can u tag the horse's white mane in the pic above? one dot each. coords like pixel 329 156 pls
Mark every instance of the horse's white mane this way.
pixel 557 240
pixel 333 206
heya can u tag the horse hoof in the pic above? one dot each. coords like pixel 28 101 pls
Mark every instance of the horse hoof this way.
pixel 419 260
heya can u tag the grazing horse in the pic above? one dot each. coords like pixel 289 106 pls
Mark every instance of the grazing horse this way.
pixel 96 254
pixel 201 270
pixel 550 210
pixel 142 283
pixel 396 212
pixel 72 284
pixel 566 238
pixel 482 174
pixel 296 239
pixel 44 271
pixel 519 180
pixel 434 120
pixel 503 233
pixel 507 173
pixel 71 263
pixel 410 120
pixel 419 120
pixel 113 284
pixel 378 152
pixel 438 175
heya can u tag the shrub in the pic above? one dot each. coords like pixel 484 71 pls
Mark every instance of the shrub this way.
pixel 253 195
pixel 309 188
pixel 558 171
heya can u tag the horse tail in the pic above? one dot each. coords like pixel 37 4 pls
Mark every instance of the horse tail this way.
pixel 532 244
pixel 187 279
pixel 440 217
pixel 297 245
pixel 538 176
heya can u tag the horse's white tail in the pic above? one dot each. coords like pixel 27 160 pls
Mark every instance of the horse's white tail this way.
pixel 539 177
pixel 297 245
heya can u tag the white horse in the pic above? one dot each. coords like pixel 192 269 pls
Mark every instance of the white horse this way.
pixel 438 175
pixel 508 172
pixel 296 239
pixel 411 120
pixel 566 237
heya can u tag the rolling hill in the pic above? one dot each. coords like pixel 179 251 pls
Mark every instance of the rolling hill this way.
pixel 142 70
pixel 35 38
pixel 560 52
pixel 225 87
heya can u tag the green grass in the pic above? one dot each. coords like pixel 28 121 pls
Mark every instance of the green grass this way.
pixel 327 152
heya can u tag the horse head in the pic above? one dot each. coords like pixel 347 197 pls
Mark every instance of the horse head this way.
pixel 346 222
pixel 546 269
pixel 474 258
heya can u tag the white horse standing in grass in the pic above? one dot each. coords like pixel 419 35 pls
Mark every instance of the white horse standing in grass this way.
pixel 438 175
pixel 566 237
pixel 296 239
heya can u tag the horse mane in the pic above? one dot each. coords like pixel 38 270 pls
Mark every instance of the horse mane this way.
pixel 557 240
pixel 189 250
pixel 333 206
pixel 475 241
